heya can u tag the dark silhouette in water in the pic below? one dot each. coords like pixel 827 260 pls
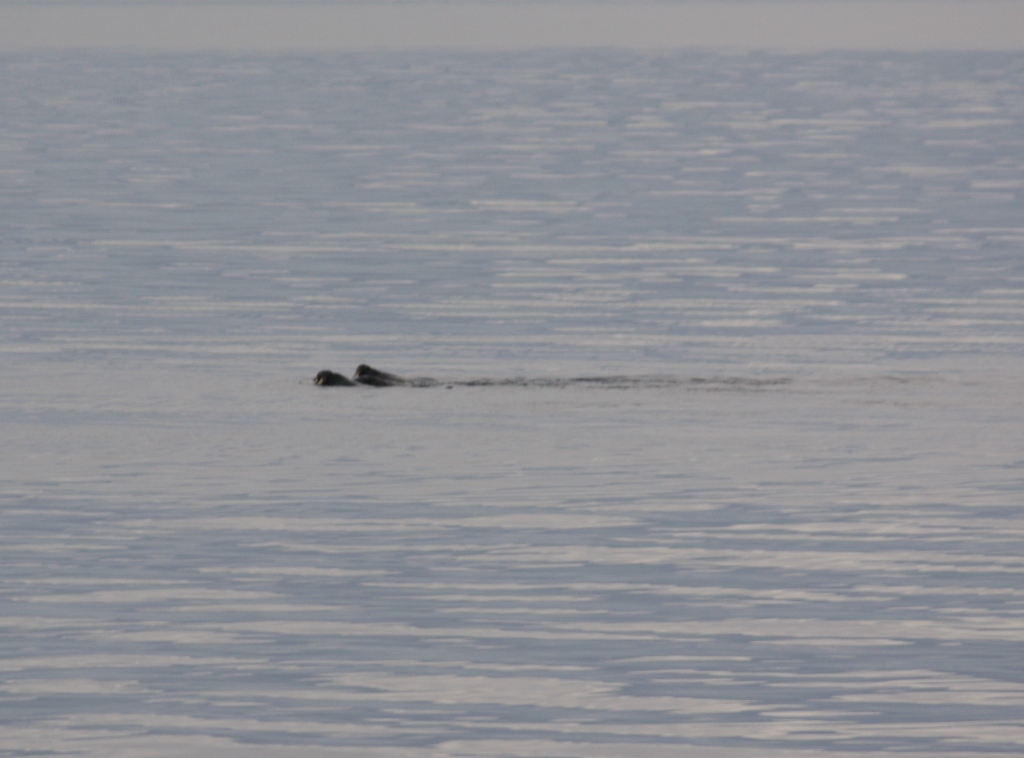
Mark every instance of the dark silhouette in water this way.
pixel 368 376
pixel 330 379
pixel 371 376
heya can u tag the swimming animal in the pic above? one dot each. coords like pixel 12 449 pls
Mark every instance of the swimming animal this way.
pixel 371 376
pixel 330 379
pixel 367 375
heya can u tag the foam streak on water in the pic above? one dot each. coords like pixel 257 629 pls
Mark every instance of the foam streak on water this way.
pixel 721 453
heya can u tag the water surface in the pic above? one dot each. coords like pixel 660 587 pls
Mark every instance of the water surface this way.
pixel 723 457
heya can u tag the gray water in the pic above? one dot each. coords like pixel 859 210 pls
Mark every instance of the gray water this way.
pixel 723 455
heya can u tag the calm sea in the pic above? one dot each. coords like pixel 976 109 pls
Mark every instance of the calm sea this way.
pixel 724 455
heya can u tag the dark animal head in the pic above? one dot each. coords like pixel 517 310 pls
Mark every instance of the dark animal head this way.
pixel 330 379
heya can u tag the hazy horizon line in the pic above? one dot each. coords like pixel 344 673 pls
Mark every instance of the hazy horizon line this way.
pixel 499 25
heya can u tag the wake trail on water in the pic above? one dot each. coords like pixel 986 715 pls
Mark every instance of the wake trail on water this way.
pixel 626 382
pixel 366 376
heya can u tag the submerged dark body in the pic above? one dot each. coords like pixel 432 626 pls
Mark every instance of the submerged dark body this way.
pixel 367 375
pixel 371 376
